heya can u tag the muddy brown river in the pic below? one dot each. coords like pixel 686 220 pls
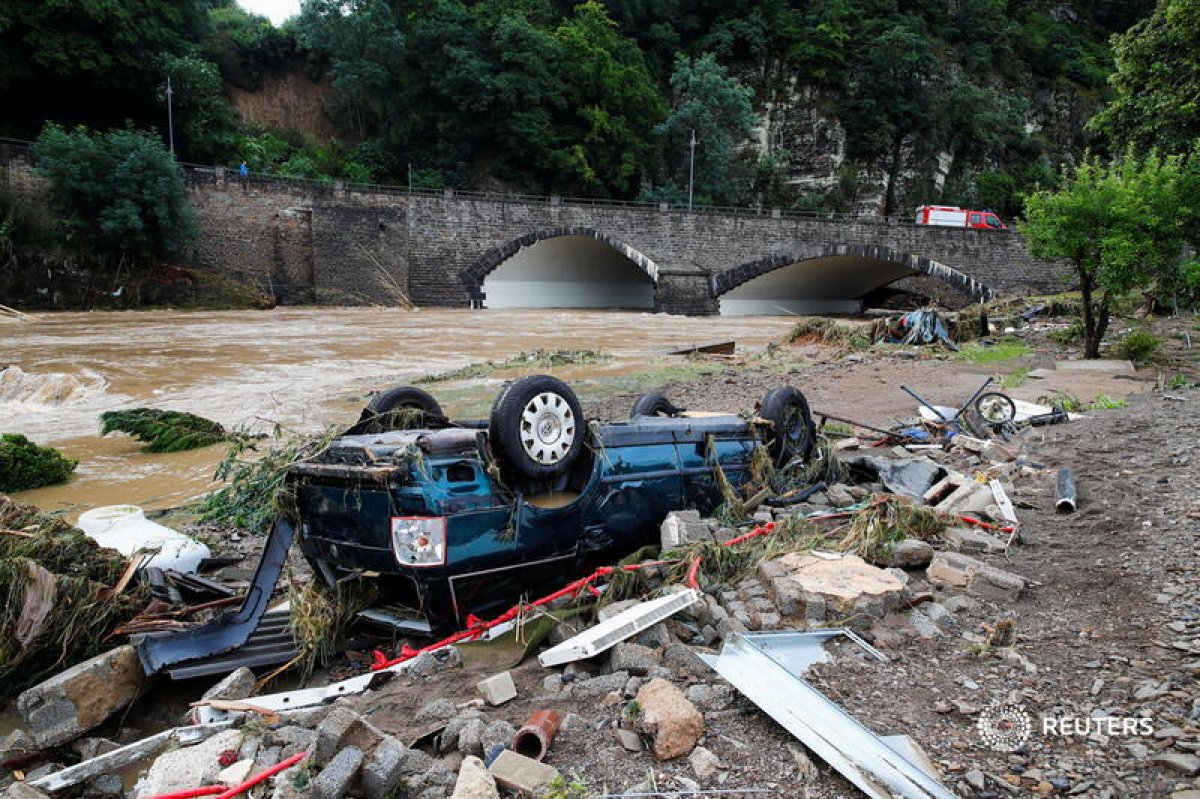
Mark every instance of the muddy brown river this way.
pixel 302 368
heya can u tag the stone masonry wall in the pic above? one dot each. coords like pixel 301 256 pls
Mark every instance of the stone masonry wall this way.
pixel 304 243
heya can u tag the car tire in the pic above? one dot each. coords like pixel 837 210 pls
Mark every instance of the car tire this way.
pixel 653 405
pixel 793 433
pixel 536 428
pixel 374 418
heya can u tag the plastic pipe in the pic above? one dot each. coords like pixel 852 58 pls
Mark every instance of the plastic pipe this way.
pixel 191 793
pixel 263 775
pixel 535 736
pixel 1066 494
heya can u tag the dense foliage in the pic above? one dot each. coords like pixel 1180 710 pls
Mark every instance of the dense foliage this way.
pixel 1122 227
pixel 117 194
pixel 164 431
pixel 24 465
pixel 974 101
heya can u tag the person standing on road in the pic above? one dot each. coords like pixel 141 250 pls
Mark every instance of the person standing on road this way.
pixel 244 172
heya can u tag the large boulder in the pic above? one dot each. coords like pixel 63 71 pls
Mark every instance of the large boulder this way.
pixel 76 700
pixel 828 587
pixel 669 719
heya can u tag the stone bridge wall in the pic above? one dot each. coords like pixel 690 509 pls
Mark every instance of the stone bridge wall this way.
pixel 305 243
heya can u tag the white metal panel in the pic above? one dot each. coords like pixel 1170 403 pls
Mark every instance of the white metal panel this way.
pixel 611 632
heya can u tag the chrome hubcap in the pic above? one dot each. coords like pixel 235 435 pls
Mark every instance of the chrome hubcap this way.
pixel 547 428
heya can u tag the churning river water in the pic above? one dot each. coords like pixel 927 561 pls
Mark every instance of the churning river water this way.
pixel 303 368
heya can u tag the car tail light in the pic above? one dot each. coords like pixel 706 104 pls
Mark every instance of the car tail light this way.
pixel 419 540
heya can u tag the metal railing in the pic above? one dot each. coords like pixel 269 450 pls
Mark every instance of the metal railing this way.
pixel 206 173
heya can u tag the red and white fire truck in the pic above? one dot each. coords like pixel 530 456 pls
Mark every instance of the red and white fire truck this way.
pixel 953 216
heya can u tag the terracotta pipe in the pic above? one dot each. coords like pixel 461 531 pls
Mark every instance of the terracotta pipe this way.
pixel 534 738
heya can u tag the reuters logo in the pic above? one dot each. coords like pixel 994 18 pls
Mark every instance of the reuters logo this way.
pixel 1004 727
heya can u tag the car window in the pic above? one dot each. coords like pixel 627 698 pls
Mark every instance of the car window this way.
pixel 976 219
pixel 992 220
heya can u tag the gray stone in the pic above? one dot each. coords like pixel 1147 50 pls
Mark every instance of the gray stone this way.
pixel 454 727
pixel 959 603
pixel 291 734
pixel 16 743
pixel 470 737
pixel 267 757
pixel 522 774
pixel 628 739
pixel 341 728
pixel 386 766
pixel 474 781
pixel 499 732
pixel 839 495
pixel 237 684
pixel 80 698
pixel 924 625
pixel 911 553
pixel 709 697
pixel 107 785
pixel 599 686
pixel 339 774
pixel 681 528
pixel 704 763
pixel 87 748
pixel 634 658
pixel 497 689
pixel 438 710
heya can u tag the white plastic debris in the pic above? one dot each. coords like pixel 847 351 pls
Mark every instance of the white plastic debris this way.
pixel 126 529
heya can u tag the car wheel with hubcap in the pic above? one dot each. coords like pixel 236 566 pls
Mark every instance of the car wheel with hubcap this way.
pixel 536 427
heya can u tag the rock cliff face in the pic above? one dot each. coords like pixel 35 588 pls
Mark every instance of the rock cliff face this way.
pixel 798 126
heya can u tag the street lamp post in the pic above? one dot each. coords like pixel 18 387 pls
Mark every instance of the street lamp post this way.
pixel 170 118
pixel 691 167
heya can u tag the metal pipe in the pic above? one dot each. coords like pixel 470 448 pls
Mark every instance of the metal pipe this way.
pixel 1066 495
pixel 535 736
pixel 921 400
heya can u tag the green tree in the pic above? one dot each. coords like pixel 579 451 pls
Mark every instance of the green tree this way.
pixel 714 104
pixel 204 122
pixel 1120 227
pixel 1156 82
pixel 609 134
pixel 363 46
pixel 119 193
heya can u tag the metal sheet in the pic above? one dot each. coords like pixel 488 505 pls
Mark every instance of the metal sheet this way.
pixel 157 651
pixel 626 624
pixel 877 769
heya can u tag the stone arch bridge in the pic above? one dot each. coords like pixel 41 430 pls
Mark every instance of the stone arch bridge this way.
pixel 305 243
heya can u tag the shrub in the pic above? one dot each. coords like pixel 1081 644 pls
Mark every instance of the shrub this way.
pixel 1139 346
pixel 24 465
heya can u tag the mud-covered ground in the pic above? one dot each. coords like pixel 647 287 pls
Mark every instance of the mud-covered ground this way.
pixel 1108 629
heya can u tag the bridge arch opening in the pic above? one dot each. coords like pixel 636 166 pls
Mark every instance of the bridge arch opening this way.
pixel 826 280
pixel 564 268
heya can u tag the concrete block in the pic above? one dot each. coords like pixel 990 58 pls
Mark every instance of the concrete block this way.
pixel 971 541
pixel 979 578
pixel 497 689
pixel 635 658
pixel 521 774
pixel 80 698
pixel 341 728
pixel 384 768
pixel 188 767
pixel 681 528
pixel 339 774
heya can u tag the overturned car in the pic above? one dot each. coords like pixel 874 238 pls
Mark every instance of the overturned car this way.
pixel 464 518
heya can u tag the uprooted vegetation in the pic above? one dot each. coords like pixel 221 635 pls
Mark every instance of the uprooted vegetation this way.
pixel 254 473
pixel 59 599
pixel 165 431
pixel 532 359
pixel 24 465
